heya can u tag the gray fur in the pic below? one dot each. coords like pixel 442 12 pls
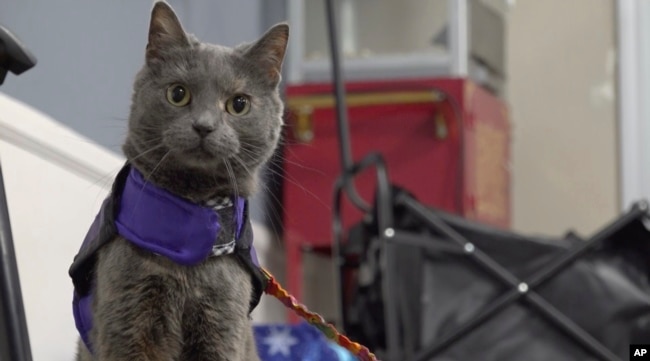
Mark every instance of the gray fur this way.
pixel 145 306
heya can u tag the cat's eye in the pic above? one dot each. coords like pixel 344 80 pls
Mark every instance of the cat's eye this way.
pixel 238 105
pixel 178 95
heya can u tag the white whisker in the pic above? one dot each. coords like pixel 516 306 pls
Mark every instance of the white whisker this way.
pixel 231 176
pixel 149 177
pixel 156 147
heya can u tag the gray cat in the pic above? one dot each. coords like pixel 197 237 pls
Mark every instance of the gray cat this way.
pixel 203 119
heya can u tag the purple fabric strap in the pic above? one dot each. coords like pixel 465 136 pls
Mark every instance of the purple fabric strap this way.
pixel 160 222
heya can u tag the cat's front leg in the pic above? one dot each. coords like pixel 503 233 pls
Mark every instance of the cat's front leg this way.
pixel 214 337
pixel 82 352
pixel 216 323
pixel 137 313
pixel 250 351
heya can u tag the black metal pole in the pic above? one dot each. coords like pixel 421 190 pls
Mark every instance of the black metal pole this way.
pixel 341 109
pixel 339 89
pixel 12 302
pixel 15 58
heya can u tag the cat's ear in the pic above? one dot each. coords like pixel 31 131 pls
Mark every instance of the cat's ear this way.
pixel 268 52
pixel 165 31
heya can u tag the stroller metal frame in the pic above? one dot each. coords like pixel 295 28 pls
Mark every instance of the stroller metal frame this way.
pixel 519 290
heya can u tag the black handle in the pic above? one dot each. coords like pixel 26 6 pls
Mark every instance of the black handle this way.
pixel 14 56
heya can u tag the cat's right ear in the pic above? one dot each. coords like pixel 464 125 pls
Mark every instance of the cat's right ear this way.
pixel 268 52
pixel 165 32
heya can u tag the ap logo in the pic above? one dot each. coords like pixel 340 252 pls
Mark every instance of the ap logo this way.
pixel 639 352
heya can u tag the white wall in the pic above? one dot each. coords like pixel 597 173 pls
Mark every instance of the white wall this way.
pixel 562 94
pixel 55 181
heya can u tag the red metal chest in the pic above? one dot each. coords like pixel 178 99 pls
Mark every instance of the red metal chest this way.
pixel 445 140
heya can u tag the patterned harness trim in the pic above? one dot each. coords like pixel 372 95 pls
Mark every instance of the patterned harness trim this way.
pixel 227 248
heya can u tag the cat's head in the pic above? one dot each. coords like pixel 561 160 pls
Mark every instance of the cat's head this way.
pixel 204 113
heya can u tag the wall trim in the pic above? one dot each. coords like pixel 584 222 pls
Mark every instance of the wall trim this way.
pixel 41 135
pixel 630 97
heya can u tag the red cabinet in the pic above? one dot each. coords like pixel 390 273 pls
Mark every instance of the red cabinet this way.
pixel 447 141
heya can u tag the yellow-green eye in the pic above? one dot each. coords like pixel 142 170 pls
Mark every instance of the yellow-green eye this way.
pixel 178 95
pixel 238 105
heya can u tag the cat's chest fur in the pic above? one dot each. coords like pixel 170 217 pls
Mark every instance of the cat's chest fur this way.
pixel 175 302
pixel 128 264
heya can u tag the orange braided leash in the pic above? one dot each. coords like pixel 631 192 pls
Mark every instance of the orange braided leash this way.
pixel 274 289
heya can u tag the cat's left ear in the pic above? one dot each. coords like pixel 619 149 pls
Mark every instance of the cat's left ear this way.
pixel 165 31
pixel 268 52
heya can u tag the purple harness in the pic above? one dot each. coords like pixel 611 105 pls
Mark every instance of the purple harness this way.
pixel 164 224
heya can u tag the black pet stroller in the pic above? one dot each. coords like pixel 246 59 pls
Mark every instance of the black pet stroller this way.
pixel 419 284
pixel 427 285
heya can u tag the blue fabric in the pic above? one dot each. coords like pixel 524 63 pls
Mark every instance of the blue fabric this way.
pixel 301 342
